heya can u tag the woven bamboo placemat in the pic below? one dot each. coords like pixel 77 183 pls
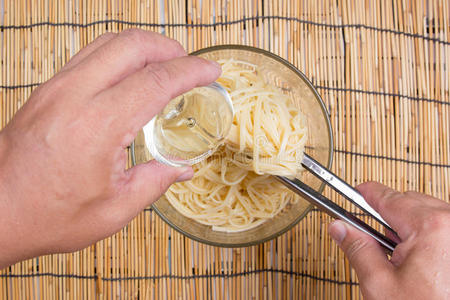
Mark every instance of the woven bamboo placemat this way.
pixel 382 68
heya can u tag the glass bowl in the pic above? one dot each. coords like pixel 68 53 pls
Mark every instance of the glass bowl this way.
pixel 284 75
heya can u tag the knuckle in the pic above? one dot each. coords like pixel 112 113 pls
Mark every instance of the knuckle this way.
pixel 372 182
pixel 387 197
pixel 159 77
pixel 140 41
pixel 135 38
pixel 370 185
pixel 389 193
pixel 435 221
pixel 176 47
pixel 355 247
pixel 409 193
pixel 134 34
pixel 107 35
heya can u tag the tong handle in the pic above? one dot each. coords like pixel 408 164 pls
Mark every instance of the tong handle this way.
pixel 335 210
pixel 341 187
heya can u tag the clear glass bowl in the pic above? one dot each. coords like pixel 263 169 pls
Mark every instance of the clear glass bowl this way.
pixel 281 73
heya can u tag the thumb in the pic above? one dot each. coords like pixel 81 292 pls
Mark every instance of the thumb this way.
pixel 150 180
pixel 363 252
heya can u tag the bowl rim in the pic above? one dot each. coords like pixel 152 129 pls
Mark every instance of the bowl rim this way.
pixel 330 156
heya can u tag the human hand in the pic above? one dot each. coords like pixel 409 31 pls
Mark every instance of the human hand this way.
pixel 420 264
pixel 63 183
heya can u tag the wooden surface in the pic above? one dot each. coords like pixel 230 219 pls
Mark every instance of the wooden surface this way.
pixel 382 67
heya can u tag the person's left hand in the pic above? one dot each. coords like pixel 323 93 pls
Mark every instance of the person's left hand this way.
pixel 63 183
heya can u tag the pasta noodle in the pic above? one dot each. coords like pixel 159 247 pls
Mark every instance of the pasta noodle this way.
pixel 233 190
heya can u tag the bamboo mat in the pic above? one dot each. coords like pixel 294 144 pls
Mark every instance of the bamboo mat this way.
pixel 382 68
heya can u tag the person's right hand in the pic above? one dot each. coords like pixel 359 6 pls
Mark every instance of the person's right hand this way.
pixel 420 264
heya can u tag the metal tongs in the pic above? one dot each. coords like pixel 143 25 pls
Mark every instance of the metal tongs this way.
pixel 332 208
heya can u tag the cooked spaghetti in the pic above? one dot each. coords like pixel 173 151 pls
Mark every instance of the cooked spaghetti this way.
pixel 232 190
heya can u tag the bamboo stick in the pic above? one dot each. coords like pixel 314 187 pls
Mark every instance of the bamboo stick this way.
pixel 407 150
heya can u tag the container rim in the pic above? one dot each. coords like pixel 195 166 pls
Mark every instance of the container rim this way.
pixel 328 165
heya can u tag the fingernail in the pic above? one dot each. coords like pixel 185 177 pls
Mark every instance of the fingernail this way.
pixel 338 231
pixel 186 175
pixel 215 64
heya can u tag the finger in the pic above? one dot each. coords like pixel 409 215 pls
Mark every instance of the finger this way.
pixel 393 206
pixel 364 253
pixel 392 236
pixel 139 97
pixel 426 199
pixel 123 55
pixel 90 48
pixel 148 182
